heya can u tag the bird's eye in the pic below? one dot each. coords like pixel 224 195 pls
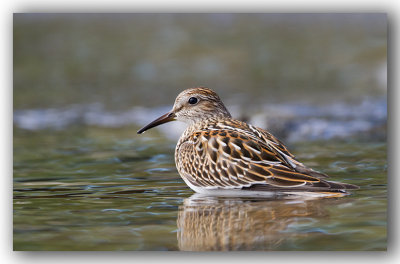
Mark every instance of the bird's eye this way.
pixel 193 100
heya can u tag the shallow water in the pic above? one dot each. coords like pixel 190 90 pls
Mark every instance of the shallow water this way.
pixel 91 188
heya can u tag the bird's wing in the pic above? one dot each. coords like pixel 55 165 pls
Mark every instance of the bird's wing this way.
pixel 231 159
pixel 277 147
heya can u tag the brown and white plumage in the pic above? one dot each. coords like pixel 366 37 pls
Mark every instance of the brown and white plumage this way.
pixel 217 154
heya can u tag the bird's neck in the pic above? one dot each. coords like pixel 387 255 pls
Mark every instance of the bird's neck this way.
pixel 204 124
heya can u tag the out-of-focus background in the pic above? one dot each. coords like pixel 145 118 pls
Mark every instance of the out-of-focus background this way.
pixel 310 72
pixel 84 84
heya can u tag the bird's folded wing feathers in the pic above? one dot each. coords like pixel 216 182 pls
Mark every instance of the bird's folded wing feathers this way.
pixel 225 158
pixel 279 149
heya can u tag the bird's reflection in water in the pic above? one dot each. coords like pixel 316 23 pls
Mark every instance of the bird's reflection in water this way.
pixel 221 224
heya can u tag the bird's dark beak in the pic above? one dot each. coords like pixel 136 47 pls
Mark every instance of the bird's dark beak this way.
pixel 168 117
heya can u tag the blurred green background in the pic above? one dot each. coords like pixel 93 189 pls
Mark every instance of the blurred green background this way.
pixel 126 60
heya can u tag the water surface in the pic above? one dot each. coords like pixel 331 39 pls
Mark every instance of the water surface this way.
pixel 91 188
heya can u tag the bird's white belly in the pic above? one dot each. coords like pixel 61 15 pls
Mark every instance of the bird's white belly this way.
pixel 236 192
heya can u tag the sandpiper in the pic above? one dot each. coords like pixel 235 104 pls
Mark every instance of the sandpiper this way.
pixel 219 155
